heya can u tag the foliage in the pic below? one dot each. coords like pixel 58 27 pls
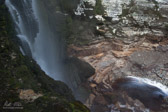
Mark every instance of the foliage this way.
pixel 166 30
pixel 99 9
pixel 68 6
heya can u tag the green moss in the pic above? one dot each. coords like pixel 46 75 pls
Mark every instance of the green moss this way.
pixel 68 30
pixel 128 9
pixel 166 30
pixel 55 104
pixel 155 2
pixel 66 6
pixel 47 103
pixel 166 27
pixel 125 12
pixel 99 9
pixel 78 107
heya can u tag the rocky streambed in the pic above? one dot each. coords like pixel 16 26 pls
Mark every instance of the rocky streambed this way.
pixel 114 59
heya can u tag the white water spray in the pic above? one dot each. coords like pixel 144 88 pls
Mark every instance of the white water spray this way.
pixel 44 47
pixel 152 83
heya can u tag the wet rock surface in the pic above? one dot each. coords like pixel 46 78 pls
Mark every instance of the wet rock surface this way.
pixel 151 96
pixel 113 60
pixel 130 39
pixel 116 58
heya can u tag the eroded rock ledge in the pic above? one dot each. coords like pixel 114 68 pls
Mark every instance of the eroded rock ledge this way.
pixel 113 58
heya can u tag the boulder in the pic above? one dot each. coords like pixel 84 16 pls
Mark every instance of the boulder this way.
pixel 83 69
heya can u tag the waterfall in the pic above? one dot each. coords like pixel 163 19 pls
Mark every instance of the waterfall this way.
pixel 41 29
pixel 39 34
pixel 152 83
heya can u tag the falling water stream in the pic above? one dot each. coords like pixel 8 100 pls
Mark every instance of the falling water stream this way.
pixel 39 28
pixel 37 37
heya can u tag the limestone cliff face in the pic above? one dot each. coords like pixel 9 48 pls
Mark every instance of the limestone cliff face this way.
pixel 127 18
pixel 138 17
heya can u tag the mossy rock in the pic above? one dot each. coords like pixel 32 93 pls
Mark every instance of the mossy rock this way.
pixel 99 9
